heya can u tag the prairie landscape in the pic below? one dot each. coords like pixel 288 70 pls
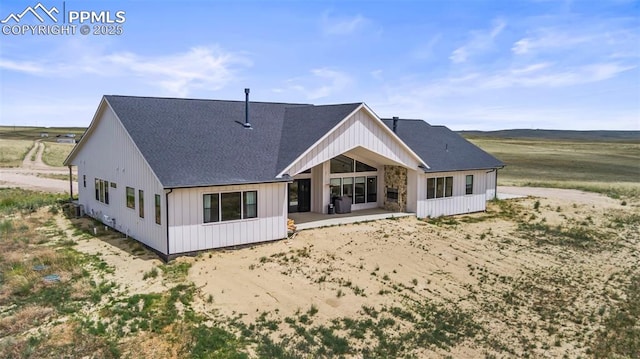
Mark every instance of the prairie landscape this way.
pixel 551 275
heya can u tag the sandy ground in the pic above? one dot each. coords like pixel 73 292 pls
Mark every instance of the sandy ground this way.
pixel 386 263
pixel 27 175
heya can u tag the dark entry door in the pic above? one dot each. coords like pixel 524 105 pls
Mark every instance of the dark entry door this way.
pixel 300 196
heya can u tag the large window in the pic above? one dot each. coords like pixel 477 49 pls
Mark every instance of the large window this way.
pixel 230 206
pixel 439 187
pixel 131 198
pixel 344 164
pixel 469 184
pixel 141 203
pixel 158 210
pixel 102 190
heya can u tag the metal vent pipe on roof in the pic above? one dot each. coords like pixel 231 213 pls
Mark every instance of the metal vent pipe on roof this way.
pixel 395 123
pixel 246 109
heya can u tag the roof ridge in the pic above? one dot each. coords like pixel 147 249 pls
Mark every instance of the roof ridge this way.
pixel 208 99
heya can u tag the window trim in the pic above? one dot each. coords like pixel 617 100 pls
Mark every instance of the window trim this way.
pixel 441 187
pixel 133 196
pixel 243 205
pixel 141 203
pixel 158 209
pixel 468 187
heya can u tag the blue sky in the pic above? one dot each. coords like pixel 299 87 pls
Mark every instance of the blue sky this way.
pixel 482 65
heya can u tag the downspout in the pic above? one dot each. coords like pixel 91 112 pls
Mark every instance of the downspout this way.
pixel 70 184
pixel 166 201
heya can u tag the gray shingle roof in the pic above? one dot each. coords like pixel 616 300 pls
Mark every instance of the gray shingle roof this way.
pixel 191 143
pixel 441 148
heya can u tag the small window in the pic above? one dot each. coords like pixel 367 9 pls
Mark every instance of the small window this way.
pixel 113 185
pixel 431 188
pixel 363 167
pixel 84 181
pixel 106 192
pixel 101 183
pixel 141 203
pixel 469 184
pixel 392 194
pixel 250 204
pixel 158 210
pixel 211 208
pixel 448 186
pixel 360 190
pixel 131 198
pixel 97 186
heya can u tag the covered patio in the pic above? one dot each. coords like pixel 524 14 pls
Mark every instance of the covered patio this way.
pixel 308 220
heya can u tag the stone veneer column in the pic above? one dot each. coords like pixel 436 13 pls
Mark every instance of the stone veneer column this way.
pixel 395 177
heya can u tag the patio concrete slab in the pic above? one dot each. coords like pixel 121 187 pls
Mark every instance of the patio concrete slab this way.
pixel 308 220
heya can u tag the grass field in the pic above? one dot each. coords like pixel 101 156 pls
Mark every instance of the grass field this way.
pixel 55 153
pixel 598 166
pixel 33 133
pixel 12 152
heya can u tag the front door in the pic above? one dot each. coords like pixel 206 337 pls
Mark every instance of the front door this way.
pixel 300 195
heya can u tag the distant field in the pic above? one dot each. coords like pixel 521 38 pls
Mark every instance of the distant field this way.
pixel 55 153
pixel 12 152
pixel 599 166
pixel 32 133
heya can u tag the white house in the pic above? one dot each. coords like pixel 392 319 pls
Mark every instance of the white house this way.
pixel 184 175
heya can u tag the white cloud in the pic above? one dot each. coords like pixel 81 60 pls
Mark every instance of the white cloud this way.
pixel 342 25
pixel 26 67
pixel 178 74
pixel 480 41
pixel 324 82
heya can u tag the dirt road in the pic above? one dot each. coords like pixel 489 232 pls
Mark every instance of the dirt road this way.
pixel 34 174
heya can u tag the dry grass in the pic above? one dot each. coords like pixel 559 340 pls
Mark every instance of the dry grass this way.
pixel 602 167
pixel 12 152
pixel 55 153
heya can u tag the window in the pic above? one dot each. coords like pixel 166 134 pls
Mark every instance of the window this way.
pixel 469 184
pixel 141 203
pixel 347 187
pixel 102 190
pixel 131 198
pixel 211 208
pixel 158 210
pixel 250 204
pixel 372 189
pixel 344 164
pixel 360 190
pixel 341 164
pixel 106 192
pixel 335 187
pixel 230 206
pixel 439 187
pixel 84 181
pixel 113 185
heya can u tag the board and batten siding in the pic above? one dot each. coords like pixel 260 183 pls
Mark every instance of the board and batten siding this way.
pixel 189 233
pixel 359 130
pixel 110 155
pixel 459 202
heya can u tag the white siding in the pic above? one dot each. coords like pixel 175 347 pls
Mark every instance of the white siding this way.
pixel 109 154
pixel 359 130
pixel 188 232
pixel 460 202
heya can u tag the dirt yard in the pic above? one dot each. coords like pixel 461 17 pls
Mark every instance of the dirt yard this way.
pixel 536 276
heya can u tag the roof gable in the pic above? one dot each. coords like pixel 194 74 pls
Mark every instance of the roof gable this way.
pixel 442 149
